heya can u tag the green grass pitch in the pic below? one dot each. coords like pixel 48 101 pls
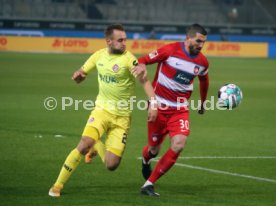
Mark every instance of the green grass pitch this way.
pixel 32 154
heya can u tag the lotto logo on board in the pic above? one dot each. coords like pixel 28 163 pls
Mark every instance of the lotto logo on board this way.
pixel 79 43
pixel 3 41
pixel 223 47
pixel 151 45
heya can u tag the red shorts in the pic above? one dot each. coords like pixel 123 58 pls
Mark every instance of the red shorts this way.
pixel 170 122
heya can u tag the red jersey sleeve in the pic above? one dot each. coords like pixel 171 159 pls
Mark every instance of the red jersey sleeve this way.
pixel 158 55
pixel 206 65
pixel 204 80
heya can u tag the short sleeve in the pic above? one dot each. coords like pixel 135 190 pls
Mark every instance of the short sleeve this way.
pixel 158 55
pixel 206 65
pixel 132 61
pixel 90 63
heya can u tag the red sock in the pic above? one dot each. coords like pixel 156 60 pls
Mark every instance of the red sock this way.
pixel 147 155
pixel 163 165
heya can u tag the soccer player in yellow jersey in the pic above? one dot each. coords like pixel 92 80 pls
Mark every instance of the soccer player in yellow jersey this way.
pixel 113 110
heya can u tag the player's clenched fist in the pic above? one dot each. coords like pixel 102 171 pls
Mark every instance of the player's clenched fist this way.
pixel 79 76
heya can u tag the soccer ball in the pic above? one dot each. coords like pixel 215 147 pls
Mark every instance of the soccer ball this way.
pixel 229 96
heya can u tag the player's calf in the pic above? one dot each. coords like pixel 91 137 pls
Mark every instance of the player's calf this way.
pixel 148 154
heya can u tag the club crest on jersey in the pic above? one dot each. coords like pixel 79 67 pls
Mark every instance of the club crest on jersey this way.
pixel 196 69
pixel 115 68
pixel 153 54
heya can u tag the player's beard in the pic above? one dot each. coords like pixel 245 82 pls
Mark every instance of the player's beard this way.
pixel 194 50
pixel 117 51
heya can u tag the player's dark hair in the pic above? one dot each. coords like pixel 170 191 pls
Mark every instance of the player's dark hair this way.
pixel 109 30
pixel 195 28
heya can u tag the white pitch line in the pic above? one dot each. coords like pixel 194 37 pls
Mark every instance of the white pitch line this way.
pixel 226 173
pixel 228 157
pixel 223 157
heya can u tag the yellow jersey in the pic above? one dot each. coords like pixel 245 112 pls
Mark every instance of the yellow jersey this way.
pixel 116 83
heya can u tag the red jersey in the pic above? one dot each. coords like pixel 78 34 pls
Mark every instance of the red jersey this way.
pixel 176 70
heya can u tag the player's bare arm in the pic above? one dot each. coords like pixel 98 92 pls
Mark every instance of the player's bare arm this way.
pixel 152 110
pixel 79 76
pixel 138 70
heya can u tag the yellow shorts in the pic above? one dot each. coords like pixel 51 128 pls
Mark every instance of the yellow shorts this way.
pixel 115 127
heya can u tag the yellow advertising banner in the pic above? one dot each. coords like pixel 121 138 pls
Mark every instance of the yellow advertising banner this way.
pixel 86 45
pixel 144 46
pixel 236 49
pixel 50 44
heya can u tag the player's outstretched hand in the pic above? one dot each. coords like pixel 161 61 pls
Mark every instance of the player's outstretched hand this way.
pixel 139 70
pixel 79 76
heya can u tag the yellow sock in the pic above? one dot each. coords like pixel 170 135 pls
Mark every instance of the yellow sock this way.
pixel 100 147
pixel 70 164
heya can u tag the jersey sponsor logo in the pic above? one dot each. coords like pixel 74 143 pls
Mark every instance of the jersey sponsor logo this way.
pixel 183 77
pixel 172 84
pixel 153 54
pixel 196 69
pixel 185 65
pixel 115 68
pixel 107 78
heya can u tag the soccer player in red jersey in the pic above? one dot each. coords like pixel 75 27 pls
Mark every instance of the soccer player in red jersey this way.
pixel 178 64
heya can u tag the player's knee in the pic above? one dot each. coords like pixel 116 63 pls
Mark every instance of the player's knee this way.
pixel 177 147
pixel 112 166
pixel 112 161
pixel 85 145
pixel 178 143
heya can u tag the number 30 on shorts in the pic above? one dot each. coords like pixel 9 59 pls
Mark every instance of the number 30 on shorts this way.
pixel 184 124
